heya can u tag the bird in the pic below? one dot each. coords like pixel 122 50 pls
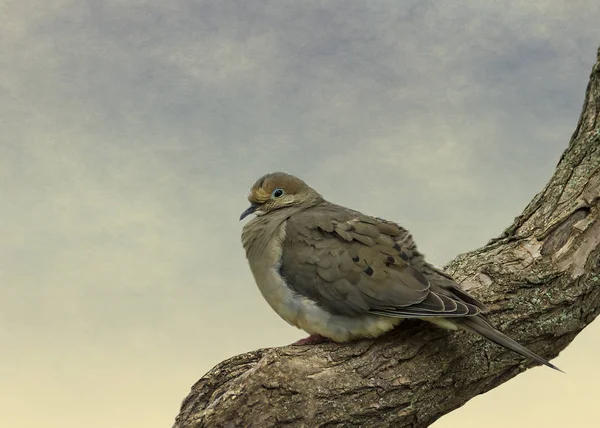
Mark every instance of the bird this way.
pixel 342 275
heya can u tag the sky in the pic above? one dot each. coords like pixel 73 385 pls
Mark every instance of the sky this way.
pixel 132 131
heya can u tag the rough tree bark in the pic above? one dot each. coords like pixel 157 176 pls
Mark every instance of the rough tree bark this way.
pixel 541 279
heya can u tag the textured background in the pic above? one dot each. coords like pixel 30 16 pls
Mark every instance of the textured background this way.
pixel 132 129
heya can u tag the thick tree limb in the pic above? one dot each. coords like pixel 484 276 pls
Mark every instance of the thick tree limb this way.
pixel 541 279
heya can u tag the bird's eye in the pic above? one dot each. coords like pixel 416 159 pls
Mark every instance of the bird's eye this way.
pixel 277 193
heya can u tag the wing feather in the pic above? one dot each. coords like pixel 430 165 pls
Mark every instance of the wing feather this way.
pixel 354 264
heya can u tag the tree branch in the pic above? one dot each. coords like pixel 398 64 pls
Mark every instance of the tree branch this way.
pixel 541 279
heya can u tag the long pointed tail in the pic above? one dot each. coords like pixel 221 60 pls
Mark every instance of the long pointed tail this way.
pixel 481 327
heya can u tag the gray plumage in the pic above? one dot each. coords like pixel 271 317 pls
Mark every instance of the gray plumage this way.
pixel 340 274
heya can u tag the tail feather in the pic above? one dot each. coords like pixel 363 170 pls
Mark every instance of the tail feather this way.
pixel 480 326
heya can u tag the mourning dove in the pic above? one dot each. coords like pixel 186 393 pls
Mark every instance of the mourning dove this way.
pixel 339 274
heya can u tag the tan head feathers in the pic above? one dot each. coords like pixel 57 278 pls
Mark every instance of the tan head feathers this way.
pixel 264 187
pixel 278 190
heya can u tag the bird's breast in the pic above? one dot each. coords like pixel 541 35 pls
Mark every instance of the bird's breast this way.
pixel 264 263
pixel 298 310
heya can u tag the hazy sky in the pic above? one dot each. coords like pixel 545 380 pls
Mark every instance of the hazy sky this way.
pixel 131 131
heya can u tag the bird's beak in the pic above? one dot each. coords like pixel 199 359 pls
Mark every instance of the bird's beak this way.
pixel 248 211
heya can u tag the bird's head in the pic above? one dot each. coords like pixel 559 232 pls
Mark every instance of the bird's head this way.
pixel 279 190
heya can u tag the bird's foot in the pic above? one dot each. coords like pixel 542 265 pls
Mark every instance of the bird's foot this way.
pixel 313 339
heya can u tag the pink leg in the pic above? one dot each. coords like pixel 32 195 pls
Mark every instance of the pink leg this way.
pixel 313 339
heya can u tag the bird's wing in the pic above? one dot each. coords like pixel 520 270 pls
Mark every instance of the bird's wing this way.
pixel 354 264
